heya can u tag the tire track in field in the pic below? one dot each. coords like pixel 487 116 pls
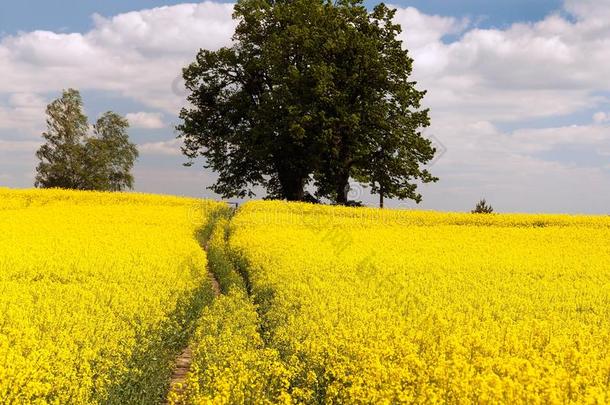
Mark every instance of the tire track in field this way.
pixel 184 360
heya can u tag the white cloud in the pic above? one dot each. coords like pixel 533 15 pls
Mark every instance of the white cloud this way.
pixel 169 148
pixel 553 67
pixel 145 120
pixel 24 113
pixel 532 140
pixel 137 54
pixel 423 35
pixel 19 146
pixel 421 30
pixel 505 168
pixel 18 163
pixel 601 117
pixel 597 10
pixel 528 70
pixel 184 28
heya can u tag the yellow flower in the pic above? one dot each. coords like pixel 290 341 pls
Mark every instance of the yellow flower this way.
pixel 388 306
pixel 92 287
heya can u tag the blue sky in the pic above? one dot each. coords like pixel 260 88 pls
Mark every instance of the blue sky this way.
pixel 518 91
pixel 73 15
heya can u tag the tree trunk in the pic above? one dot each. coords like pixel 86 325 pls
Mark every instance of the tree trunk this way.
pixel 342 188
pixel 296 194
pixel 292 187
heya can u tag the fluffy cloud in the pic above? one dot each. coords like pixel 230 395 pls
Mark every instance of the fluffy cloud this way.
pixel 22 113
pixel 591 10
pixel 553 67
pixel 137 54
pixel 168 148
pixel 184 28
pixel 145 120
pixel 422 30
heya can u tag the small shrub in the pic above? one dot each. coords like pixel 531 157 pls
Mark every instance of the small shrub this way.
pixel 483 208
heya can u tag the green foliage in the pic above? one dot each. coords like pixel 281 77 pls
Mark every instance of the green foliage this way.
pixel 72 159
pixel 483 208
pixel 61 157
pixel 219 258
pixel 310 91
pixel 109 154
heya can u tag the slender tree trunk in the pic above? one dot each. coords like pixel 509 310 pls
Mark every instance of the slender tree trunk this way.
pixel 342 188
pixel 381 195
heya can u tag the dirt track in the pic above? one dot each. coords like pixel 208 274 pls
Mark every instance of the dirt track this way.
pixel 183 362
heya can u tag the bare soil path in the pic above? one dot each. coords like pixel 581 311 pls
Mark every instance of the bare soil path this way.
pixel 183 362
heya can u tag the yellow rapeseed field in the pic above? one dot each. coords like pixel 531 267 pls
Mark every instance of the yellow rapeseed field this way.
pixel 370 306
pixel 96 293
pixel 99 292
pixel 231 363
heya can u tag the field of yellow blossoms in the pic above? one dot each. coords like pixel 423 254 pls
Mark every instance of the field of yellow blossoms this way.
pixel 369 306
pixel 96 293
pixel 100 292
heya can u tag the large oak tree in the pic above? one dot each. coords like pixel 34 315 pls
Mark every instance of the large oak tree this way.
pixel 311 91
